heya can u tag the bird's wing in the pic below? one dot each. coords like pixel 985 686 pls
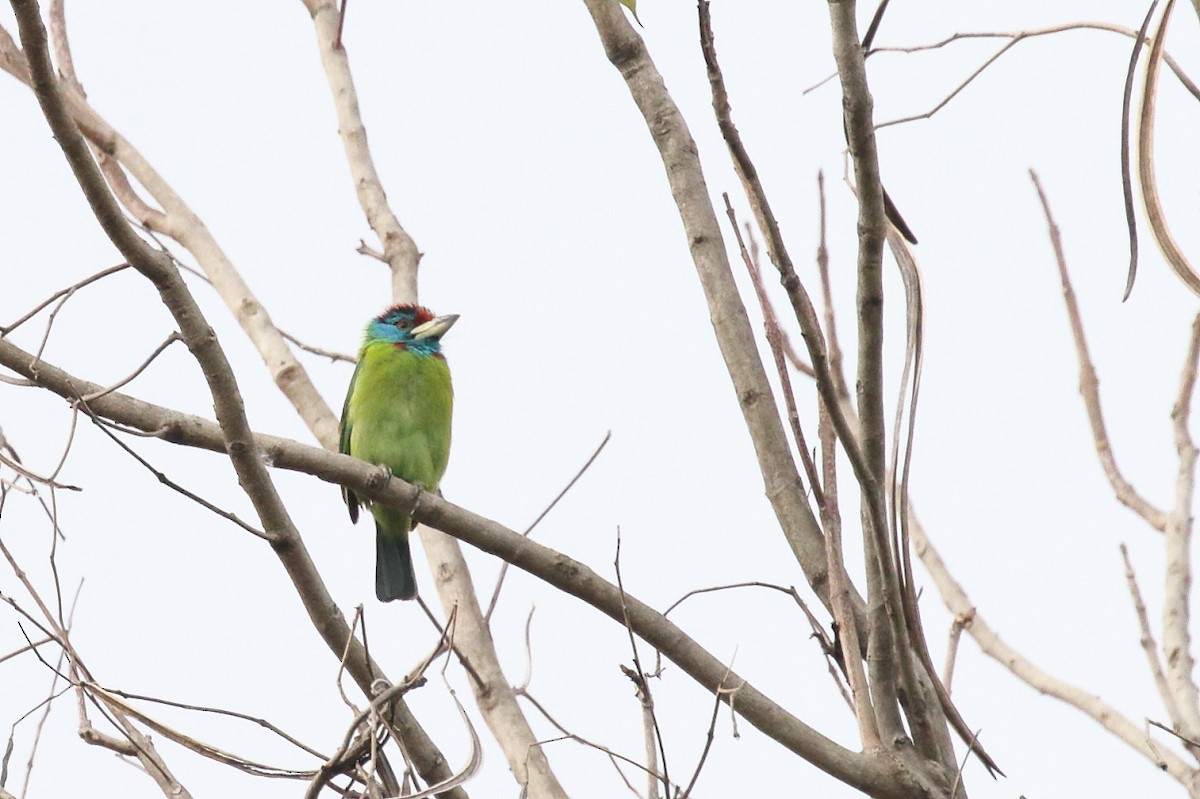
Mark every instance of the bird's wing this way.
pixel 344 440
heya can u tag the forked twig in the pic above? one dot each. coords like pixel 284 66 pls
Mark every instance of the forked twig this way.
pixel 1015 38
pixel 60 294
pixel 567 735
pixel 648 701
pixel 710 736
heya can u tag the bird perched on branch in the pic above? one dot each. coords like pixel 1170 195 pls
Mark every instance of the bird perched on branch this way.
pixel 397 414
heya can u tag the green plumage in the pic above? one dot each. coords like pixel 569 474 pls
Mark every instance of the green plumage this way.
pixel 397 414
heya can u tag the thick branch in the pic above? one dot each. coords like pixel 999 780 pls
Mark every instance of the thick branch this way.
pixel 178 221
pixel 889 642
pixel 234 435
pixel 872 775
pixel 493 691
pixel 735 337
pixel 495 697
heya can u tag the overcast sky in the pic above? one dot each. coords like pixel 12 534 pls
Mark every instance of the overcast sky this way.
pixel 511 151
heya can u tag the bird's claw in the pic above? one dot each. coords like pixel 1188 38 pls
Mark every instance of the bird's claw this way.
pixel 417 500
pixel 380 477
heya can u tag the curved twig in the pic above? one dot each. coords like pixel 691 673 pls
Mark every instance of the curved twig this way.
pixel 1150 200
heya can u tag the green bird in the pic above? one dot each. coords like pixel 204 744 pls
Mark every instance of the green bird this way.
pixel 397 414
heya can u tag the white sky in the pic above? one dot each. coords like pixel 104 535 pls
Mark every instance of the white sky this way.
pixel 512 152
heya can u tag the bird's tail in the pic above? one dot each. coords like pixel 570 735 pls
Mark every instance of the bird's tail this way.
pixel 394 576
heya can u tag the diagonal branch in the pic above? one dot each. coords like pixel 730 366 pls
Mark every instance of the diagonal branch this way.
pixel 494 695
pixel 993 646
pixel 627 52
pixel 863 771
pixel 1089 389
pixel 235 436
pixel 1147 641
pixel 117 157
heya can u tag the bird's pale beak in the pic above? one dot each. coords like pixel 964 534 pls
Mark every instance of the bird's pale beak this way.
pixel 435 328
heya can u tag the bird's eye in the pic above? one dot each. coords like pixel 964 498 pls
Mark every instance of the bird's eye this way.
pixel 403 324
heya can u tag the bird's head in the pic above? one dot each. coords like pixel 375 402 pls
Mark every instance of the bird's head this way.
pixel 411 327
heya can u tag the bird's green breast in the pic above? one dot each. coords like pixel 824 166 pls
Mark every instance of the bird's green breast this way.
pixel 399 412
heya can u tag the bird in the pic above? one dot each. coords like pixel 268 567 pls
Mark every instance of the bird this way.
pixel 397 415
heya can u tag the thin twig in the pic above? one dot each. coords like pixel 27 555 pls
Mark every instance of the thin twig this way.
pixel 1089 385
pixel 648 700
pixel 836 366
pixel 546 510
pixel 774 341
pixel 709 737
pixel 171 339
pixel 1015 38
pixel 330 354
pixel 168 482
pixel 1126 124
pixel 61 293
pixel 956 628
pixel 839 588
pixel 567 735
pixel 1146 639
pixel 649 729
pixel 261 722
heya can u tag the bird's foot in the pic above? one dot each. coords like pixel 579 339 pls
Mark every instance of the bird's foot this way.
pixel 417 499
pixel 381 476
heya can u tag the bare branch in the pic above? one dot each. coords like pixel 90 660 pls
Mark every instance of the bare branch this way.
pixel 1104 714
pixel 570 484
pixel 1014 38
pixel 556 569
pixel 61 293
pixel 235 439
pixel 860 692
pixel 170 339
pixel 1089 387
pixel 735 337
pixel 399 250
pixel 1147 642
pixel 1177 588
pixel 775 341
pixel 1154 212
pixel 652 730
pixel 493 691
pixel 115 155
pixel 956 628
